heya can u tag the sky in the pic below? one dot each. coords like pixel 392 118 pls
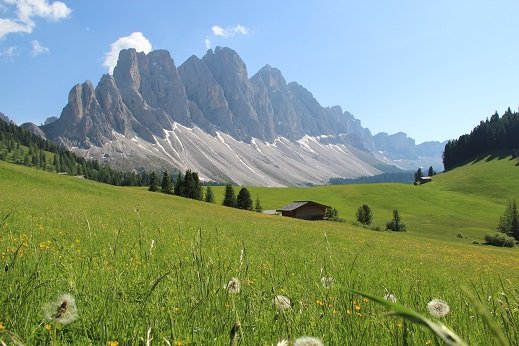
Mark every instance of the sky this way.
pixel 431 69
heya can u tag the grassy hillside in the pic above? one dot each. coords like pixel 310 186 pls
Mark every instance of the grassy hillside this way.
pixel 468 200
pixel 137 261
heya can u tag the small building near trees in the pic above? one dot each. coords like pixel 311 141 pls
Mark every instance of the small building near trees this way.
pixel 424 180
pixel 305 210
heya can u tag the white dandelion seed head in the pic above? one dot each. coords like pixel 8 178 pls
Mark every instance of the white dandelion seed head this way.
pixel 233 286
pixel 63 310
pixel 390 297
pixel 282 343
pixel 438 308
pixel 282 302
pixel 308 341
pixel 327 282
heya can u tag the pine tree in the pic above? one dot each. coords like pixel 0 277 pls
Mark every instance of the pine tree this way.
pixel 153 182
pixel 166 183
pixel 418 175
pixel 179 185
pixel 431 171
pixel 209 196
pixel 396 224
pixel 257 206
pixel 229 198
pixel 244 201
pixel 364 215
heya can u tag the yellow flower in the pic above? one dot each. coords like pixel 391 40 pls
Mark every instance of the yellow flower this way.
pixel 2 327
pixel 428 342
pixel 319 302
pixel 47 327
pixel 179 342
pixel 357 307
pixel 365 300
pixel 113 343
pixel 348 312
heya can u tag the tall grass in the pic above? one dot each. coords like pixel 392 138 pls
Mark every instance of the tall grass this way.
pixel 146 266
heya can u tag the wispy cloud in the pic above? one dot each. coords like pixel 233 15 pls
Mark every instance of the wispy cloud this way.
pixel 26 11
pixel 229 31
pixel 38 48
pixel 207 43
pixel 7 54
pixel 135 40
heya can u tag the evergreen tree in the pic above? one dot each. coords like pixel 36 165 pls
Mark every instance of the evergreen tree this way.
pixel 396 224
pixel 257 206
pixel 364 215
pixel 509 222
pixel 209 196
pixel 166 183
pixel 431 171
pixel 418 175
pixel 229 198
pixel 244 201
pixel 179 185
pixel 153 182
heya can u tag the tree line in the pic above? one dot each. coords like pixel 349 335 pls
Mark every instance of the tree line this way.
pixel 19 146
pixel 494 135
pixel 190 186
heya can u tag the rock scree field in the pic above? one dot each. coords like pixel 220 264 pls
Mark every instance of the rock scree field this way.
pixel 124 266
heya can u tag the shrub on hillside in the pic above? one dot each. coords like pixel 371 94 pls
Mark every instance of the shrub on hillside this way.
pixel 396 225
pixel 499 239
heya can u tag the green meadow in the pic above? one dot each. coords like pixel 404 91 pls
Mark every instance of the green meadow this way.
pixel 152 269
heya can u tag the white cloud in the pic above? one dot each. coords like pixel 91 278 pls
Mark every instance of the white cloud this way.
pixel 38 48
pixel 229 31
pixel 135 40
pixel 207 43
pixel 27 10
pixel 7 54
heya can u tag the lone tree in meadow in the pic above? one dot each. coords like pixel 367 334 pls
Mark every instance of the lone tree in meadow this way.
pixel 257 205
pixel 364 215
pixel 166 183
pixel 509 222
pixel 229 199
pixel 154 186
pixel 396 225
pixel 244 201
pixel 209 196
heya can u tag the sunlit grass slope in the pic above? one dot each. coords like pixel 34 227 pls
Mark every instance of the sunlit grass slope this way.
pixel 138 261
pixel 468 200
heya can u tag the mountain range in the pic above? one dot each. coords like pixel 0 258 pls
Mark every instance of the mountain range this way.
pixel 209 116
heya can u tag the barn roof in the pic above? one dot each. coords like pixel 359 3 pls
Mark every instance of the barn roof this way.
pixel 298 204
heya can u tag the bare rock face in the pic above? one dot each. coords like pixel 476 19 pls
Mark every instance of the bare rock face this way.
pixel 205 92
pixel 3 117
pixel 209 116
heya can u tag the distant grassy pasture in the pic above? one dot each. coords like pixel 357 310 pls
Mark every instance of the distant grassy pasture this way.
pixel 138 261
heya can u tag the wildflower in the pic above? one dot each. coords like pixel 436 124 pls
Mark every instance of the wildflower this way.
pixel 113 343
pixel 2 327
pixel 390 297
pixel 282 302
pixel 47 327
pixel 308 341
pixel 233 286
pixel 365 300
pixel 327 282
pixel 63 310
pixel 282 343
pixel 438 308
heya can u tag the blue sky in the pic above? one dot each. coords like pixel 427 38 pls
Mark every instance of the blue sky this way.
pixel 432 69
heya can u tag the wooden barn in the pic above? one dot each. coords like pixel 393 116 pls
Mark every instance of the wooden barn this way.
pixel 306 210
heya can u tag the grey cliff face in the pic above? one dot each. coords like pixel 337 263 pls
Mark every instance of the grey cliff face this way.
pixel 148 103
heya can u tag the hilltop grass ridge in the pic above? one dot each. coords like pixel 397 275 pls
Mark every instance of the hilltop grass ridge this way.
pixel 144 265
